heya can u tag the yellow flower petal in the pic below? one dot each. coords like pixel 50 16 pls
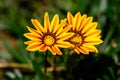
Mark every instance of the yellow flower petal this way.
pixel 32 36
pixel 65 36
pixel 83 50
pixel 70 18
pixel 92 32
pixel 94 41
pixel 91 48
pixel 87 21
pixel 52 49
pixel 54 23
pixel 64 44
pixel 77 50
pixel 83 18
pixel 46 22
pixel 58 50
pixel 59 27
pixel 88 27
pixel 77 21
pixel 58 32
pixel 64 30
pixel 92 37
pixel 28 42
pixel 33 31
pixel 34 46
pixel 42 47
pixel 37 25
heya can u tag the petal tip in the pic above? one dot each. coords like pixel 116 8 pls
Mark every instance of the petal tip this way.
pixel 32 20
pixel 46 14
pixel 69 13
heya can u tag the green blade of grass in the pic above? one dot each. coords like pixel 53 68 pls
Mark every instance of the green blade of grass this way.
pixel 37 69
pixel 13 52
pixel 23 51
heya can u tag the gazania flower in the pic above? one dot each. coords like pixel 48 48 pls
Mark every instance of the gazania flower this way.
pixel 86 35
pixel 50 37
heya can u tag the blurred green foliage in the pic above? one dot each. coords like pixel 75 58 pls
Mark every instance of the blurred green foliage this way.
pixel 16 14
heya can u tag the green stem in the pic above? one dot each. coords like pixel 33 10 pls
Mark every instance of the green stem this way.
pixel 107 38
pixel 54 67
pixel 45 69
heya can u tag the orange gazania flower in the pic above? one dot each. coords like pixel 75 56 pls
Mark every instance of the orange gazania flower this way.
pixel 50 37
pixel 86 35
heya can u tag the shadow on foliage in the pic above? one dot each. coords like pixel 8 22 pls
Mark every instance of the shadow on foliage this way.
pixel 88 67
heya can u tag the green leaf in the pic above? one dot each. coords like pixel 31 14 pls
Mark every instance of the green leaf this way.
pixel 105 77
pixel 36 66
pixel 37 69
pixel 23 51
pixel 111 72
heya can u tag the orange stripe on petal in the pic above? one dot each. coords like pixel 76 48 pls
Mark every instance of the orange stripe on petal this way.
pixel 89 20
pixel 91 48
pixel 59 27
pixel 83 19
pixel 46 21
pixel 32 36
pixel 89 27
pixel 84 50
pixel 64 30
pixel 51 49
pixel 58 50
pixel 33 31
pixel 92 32
pixel 77 21
pixel 77 50
pixel 37 25
pixel 54 23
pixel 70 18
pixel 86 22
pixel 65 36
pixel 58 32
pixel 64 44
pixel 42 47
pixel 34 46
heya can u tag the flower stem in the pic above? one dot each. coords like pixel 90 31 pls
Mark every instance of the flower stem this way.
pixel 45 69
pixel 107 38
pixel 54 67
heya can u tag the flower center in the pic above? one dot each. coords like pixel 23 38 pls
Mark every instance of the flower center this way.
pixel 49 40
pixel 76 39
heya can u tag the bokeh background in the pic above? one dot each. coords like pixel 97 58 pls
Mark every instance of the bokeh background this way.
pixel 18 64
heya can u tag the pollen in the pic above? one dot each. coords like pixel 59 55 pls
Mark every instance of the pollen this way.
pixel 76 39
pixel 49 40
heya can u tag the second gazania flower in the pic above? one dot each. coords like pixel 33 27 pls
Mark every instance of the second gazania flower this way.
pixel 86 36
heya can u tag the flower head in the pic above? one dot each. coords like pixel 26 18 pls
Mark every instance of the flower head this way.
pixel 51 36
pixel 85 33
